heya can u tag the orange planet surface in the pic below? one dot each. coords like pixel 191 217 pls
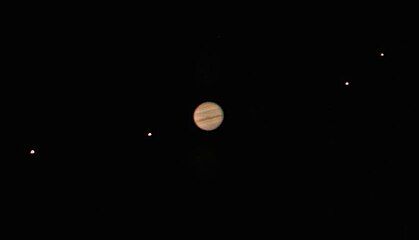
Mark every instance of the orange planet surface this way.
pixel 208 116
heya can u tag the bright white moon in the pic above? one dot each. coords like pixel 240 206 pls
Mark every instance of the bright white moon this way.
pixel 208 116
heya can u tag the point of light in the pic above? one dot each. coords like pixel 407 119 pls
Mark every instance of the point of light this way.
pixel 346 83
pixel 32 152
pixel 382 54
pixel 149 134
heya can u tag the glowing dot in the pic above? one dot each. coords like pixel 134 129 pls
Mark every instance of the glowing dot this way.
pixel 32 152
pixel 149 134
pixel 346 83
pixel 382 54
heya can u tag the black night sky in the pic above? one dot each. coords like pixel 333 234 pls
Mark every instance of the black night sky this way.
pixel 316 142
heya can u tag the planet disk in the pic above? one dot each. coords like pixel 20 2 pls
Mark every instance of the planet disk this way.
pixel 208 116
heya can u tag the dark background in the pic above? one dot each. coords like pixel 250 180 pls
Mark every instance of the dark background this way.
pixel 299 154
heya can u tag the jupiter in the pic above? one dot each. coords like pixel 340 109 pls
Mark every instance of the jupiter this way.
pixel 208 116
